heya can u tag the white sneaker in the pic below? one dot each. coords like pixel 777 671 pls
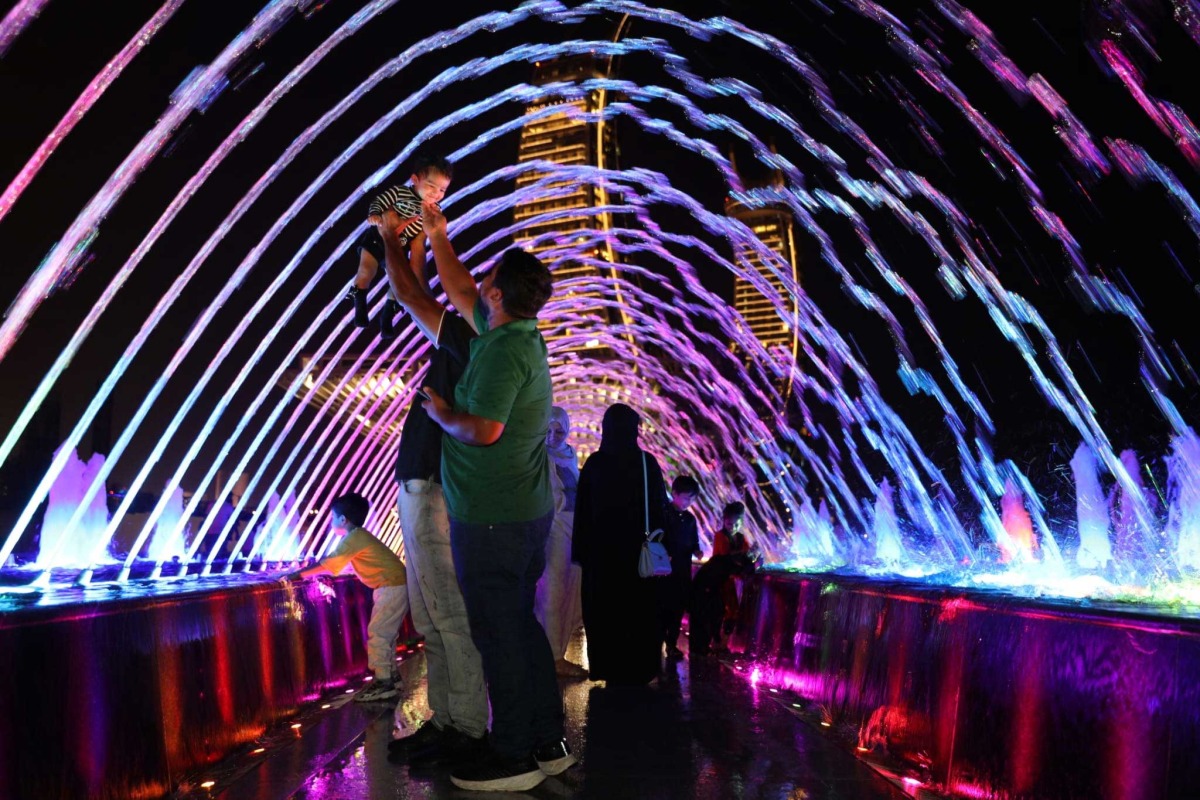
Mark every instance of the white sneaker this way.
pixel 555 758
pixel 377 691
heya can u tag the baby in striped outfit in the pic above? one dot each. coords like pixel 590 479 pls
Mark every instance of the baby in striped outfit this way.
pixel 430 178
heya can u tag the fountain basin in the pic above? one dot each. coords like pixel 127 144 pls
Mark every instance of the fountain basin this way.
pixel 979 694
pixel 117 691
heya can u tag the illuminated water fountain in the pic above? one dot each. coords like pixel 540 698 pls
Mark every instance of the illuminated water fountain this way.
pixel 636 193
pixel 1183 519
pixel 877 462
pixel 70 529
pixel 166 544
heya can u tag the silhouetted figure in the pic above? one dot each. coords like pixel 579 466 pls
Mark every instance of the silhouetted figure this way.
pixel 624 639
pixel 682 540
pixel 708 599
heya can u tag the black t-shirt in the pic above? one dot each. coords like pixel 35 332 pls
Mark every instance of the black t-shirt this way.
pixel 680 537
pixel 421 440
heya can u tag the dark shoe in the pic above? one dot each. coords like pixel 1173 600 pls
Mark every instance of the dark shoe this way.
pixel 495 773
pixel 359 297
pixel 454 748
pixel 387 319
pixel 555 757
pixel 426 736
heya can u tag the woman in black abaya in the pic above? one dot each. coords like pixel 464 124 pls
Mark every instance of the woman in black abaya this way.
pixel 619 606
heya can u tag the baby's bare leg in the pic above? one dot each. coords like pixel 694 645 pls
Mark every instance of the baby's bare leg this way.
pixel 367 268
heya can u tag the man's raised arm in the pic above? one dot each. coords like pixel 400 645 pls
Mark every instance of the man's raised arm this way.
pixel 407 286
pixel 458 283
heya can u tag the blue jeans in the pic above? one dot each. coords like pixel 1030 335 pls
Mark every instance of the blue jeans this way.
pixel 498 568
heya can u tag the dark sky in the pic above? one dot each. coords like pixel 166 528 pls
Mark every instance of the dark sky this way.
pixel 1122 229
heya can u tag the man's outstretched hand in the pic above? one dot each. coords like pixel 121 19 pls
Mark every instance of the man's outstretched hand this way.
pixel 391 223
pixel 433 219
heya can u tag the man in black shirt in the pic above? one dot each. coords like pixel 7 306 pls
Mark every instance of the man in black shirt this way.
pixel 457 694
pixel 682 540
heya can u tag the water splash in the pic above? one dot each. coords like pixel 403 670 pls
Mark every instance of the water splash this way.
pixel 94 91
pixel 813 539
pixel 71 527
pixel 17 20
pixel 1095 548
pixel 889 544
pixel 1018 524
pixel 1183 518
pixel 169 541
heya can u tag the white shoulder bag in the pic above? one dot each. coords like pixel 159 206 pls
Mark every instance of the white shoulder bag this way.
pixel 654 560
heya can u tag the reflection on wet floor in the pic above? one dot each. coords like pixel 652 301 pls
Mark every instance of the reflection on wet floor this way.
pixel 700 731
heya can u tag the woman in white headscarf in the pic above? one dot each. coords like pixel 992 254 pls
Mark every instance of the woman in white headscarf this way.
pixel 558 605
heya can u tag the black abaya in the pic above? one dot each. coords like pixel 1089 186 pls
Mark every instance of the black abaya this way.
pixel 624 641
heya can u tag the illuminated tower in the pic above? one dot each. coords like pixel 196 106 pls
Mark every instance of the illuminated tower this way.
pixel 774 227
pixel 563 139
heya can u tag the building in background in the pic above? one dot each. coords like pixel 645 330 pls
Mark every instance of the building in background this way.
pixel 774 227
pixel 564 210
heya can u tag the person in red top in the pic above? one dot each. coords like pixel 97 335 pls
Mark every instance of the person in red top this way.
pixel 730 541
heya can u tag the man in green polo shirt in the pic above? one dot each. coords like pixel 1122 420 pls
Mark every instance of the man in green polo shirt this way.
pixel 496 479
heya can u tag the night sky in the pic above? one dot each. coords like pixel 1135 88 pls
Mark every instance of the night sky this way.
pixel 1133 236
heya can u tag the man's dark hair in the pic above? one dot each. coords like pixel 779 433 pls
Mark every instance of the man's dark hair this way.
pixel 353 506
pixel 685 484
pixel 734 509
pixel 524 281
pixel 423 162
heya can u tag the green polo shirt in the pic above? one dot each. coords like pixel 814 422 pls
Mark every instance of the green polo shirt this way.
pixel 506 380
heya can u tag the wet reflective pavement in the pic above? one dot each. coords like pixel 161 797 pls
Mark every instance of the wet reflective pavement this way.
pixel 700 731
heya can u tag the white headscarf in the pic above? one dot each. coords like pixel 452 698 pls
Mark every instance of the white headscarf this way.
pixel 566 463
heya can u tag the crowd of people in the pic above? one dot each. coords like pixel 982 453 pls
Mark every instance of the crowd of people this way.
pixel 509 547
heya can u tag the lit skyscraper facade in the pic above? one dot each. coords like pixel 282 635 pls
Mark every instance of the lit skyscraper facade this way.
pixel 561 138
pixel 774 227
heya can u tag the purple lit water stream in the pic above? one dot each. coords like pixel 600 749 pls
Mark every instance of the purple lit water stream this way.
pixel 820 498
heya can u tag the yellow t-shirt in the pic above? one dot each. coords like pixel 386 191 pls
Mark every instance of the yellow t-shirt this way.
pixel 373 563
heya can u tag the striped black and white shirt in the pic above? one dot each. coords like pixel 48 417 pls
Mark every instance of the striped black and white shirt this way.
pixel 406 202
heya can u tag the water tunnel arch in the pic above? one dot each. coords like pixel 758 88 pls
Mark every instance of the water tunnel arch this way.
pixel 757 453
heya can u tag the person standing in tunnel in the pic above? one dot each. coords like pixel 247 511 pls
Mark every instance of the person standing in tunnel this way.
pixel 496 476
pixel 456 691
pixel 558 601
pixel 682 540
pixel 620 486
pixel 731 542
